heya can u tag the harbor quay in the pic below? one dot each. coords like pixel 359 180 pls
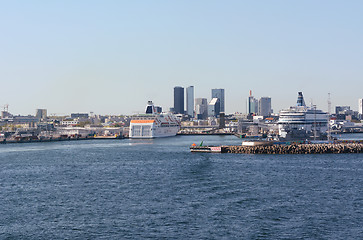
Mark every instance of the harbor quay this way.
pixel 56 139
pixel 319 148
pixel 38 134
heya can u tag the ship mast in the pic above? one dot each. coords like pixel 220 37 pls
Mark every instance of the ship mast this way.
pixel 329 109
pixel 314 122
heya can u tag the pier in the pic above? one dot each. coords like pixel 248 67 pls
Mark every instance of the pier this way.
pixel 323 148
pixel 300 148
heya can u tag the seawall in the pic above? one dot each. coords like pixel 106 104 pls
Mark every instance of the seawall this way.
pixel 297 149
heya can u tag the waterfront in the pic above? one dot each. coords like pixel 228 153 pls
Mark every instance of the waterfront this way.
pixel 137 189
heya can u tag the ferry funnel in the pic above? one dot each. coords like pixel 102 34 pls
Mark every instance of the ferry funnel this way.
pixel 300 100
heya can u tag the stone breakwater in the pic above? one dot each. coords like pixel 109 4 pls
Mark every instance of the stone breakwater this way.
pixel 296 149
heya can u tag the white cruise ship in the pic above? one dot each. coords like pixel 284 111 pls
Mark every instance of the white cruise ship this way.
pixel 302 122
pixel 153 124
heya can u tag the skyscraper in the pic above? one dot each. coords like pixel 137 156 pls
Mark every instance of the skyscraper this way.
pixel 360 106
pixel 179 100
pixel 214 107
pixel 264 106
pixel 201 108
pixel 41 114
pixel 190 101
pixel 219 93
pixel 252 104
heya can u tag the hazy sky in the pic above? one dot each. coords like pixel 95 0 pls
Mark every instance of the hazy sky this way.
pixel 111 57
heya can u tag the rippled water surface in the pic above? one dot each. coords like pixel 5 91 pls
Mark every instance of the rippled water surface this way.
pixel 129 189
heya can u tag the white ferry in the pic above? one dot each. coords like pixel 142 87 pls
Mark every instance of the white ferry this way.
pixel 302 122
pixel 153 124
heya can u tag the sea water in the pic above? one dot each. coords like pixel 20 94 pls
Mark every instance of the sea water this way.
pixel 157 189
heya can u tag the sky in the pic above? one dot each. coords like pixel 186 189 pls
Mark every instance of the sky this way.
pixel 111 57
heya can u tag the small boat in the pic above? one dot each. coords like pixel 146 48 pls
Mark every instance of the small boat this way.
pixel 206 149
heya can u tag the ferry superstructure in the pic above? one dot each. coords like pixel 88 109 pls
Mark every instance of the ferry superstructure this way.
pixel 153 124
pixel 302 122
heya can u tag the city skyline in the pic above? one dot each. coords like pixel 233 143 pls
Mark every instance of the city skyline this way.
pixel 112 57
pixel 181 92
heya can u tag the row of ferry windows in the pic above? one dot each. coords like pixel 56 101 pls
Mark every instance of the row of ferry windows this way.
pixel 142 118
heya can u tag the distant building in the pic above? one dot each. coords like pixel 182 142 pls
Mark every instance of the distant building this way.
pixel 69 122
pixel 179 100
pixel 264 106
pixel 222 120
pixel 79 115
pixel 219 93
pixel 360 106
pixel 345 113
pixel 41 114
pixel 158 109
pixel 214 107
pixel 341 109
pixel 5 114
pixel 29 121
pixel 201 108
pixel 252 104
pixel 190 101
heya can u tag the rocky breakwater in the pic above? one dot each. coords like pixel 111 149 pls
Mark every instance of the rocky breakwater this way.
pixel 297 149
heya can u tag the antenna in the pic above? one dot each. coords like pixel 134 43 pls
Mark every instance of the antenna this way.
pixel 329 110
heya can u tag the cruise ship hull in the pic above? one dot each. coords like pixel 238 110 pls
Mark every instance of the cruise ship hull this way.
pixel 144 131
